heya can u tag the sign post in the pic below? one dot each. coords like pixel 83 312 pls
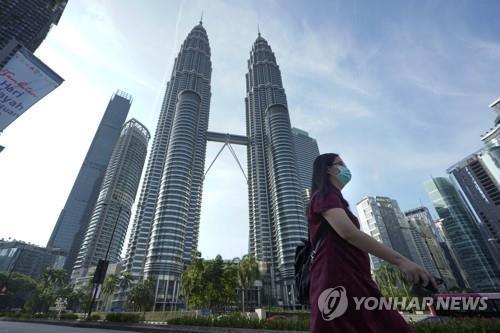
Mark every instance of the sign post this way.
pixel 60 306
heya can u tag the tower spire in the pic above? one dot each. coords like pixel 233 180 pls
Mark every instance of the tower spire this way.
pixel 258 29
pixel 201 18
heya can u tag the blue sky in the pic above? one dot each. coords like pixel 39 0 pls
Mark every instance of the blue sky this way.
pixel 399 88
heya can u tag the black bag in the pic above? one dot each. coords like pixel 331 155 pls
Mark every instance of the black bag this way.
pixel 304 257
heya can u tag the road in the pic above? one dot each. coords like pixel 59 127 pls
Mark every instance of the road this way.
pixel 18 327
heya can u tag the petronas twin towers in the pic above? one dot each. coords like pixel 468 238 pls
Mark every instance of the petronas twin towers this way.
pixel 164 234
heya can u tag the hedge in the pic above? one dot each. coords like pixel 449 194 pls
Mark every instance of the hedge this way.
pixel 95 317
pixel 237 320
pixel 468 325
pixel 69 316
pixel 124 317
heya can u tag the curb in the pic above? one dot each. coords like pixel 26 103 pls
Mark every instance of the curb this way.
pixel 148 328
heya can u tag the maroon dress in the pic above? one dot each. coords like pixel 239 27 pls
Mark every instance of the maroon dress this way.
pixel 340 264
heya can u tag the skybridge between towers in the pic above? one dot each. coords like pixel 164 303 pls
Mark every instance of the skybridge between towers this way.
pixel 227 139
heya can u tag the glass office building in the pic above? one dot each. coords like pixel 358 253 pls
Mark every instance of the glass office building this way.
pixel 73 219
pixel 464 236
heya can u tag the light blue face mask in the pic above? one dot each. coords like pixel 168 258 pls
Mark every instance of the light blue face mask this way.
pixel 344 175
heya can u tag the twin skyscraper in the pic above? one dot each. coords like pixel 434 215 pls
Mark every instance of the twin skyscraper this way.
pixel 165 229
pixel 164 234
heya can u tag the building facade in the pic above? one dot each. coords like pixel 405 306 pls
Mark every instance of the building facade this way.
pixel 164 233
pixel 276 205
pixel 306 151
pixel 491 140
pixel 480 190
pixel 73 219
pixel 106 230
pixel 28 21
pixel 426 238
pixel 28 259
pixel 477 177
pixel 479 267
pixel 450 256
pixel 381 218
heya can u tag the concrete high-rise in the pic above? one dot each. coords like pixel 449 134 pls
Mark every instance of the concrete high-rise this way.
pixel 481 192
pixel 491 140
pixel 306 151
pixel 106 230
pixel 73 219
pixel 164 233
pixel 381 218
pixel 431 252
pixel 28 21
pixel 477 177
pixel 464 236
pixel 276 205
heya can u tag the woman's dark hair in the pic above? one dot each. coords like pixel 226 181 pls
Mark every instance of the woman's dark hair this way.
pixel 321 179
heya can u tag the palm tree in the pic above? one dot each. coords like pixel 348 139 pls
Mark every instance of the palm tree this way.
pixel 109 286
pixel 51 286
pixel 54 278
pixel 143 294
pixel 125 280
pixel 248 272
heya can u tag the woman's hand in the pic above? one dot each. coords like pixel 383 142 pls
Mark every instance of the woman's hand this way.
pixel 416 274
pixel 342 224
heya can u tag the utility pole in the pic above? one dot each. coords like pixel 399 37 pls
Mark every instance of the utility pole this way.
pixel 102 267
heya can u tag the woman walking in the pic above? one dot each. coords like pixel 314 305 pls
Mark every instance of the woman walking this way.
pixel 341 267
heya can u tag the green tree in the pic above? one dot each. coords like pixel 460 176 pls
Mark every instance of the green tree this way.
pixel 212 279
pixel 220 282
pixel 209 283
pixel 79 299
pixel 52 285
pixel 248 272
pixel 143 294
pixel 391 282
pixel 111 282
pixel 54 278
pixel 193 284
pixel 125 280
pixel 230 283
pixel 19 289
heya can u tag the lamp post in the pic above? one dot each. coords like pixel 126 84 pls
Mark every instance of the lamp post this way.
pixel 102 266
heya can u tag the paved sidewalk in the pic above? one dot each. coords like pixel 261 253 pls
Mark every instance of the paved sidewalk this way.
pixel 24 327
